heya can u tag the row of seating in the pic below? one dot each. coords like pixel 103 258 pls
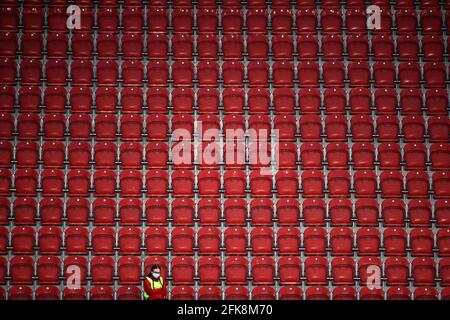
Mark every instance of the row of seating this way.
pixel 387 156
pixel 312 127
pixel 227 47
pixel 206 20
pixel 314 271
pixel 262 241
pixel 232 73
pixel 386 101
pixel 390 184
pixel 233 212
pixel 224 3
pixel 231 293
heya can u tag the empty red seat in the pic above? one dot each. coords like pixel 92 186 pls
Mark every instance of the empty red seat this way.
pixel 235 211
pixel 363 155
pixel 396 271
pixel 394 241
pixel 77 239
pixel 104 211
pixel 389 156
pixel 21 270
pixel 105 154
pixel 157 127
pixel 235 240
pixel 256 19
pixel 102 270
pixel 54 154
pixel 23 240
pixel 208 183
pixel 308 73
pixel 262 241
pixel 421 242
pixel 443 242
pixel 207 46
pixel 289 270
pixel 156 240
pixel 4 211
pixel 57 45
pixel 362 128
pixel 47 293
pixel 30 71
pixel 7 95
pixel 343 270
pixel 182 20
pixel 316 270
pixel 236 270
pixel 365 183
pixel 131 155
pixel 182 240
pixel 407 47
pixel 77 211
pixel 314 241
pixel 25 210
pixel 432 47
pixel 263 270
pixel 317 293
pixel 20 293
pixel 78 182
pixel 385 101
pixel 388 128
pixel 368 240
pixel 9 44
pixel 81 72
pixel 50 240
pixel 156 154
pixel 438 129
pixel 391 183
pixel 287 155
pixel 157 73
pixel 104 183
pixel 341 240
pixel 337 155
pixel 129 270
pixel 331 20
pixel 56 72
pixel 183 293
pixel 209 270
pixel 157 19
pixel 393 212
pixel 101 293
pixel 156 182
pixel 263 293
pixel 434 74
pixel 440 184
pixel 288 240
pixel 439 156
pixel 182 270
pixel 417 184
pixel 313 211
pixel 306 20
pixel 308 46
pixel 106 99
pixel 384 74
pixel 423 271
pixel 431 21
pixel 8 71
pixel 368 267
pixel 355 20
pixel 444 269
pixel 48 270
pixel 129 240
pixel 28 126
pixel 340 211
pixel 336 128
pixel 312 183
pixel 130 182
pixel 286 183
pixel 103 240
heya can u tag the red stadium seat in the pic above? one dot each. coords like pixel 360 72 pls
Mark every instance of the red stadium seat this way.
pixel 263 270
pixel 235 240
pixel 313 212
pixel 48 270
pixel 316 270
pixel 315 241
pixel 236 270
pixel 209 270
pixel 102 293
pixel 21 270
pixel 102 270
pixel 182 270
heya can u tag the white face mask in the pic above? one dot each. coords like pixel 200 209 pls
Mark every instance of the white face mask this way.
pixel 155 275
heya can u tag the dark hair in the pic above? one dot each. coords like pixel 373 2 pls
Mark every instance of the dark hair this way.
pixel 153 267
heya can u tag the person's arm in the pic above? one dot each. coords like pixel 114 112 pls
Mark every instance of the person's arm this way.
pixel 147 287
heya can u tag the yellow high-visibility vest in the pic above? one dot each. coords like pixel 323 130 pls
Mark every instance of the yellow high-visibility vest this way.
pixel 154 285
